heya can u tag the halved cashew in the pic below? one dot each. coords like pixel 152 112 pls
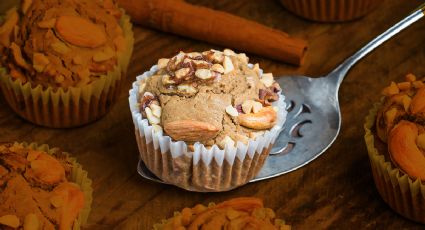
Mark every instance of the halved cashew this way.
pixel 404 150
pixel 264 119
pixel 418 102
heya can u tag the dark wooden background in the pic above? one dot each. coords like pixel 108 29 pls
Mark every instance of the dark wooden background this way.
pixel 336 191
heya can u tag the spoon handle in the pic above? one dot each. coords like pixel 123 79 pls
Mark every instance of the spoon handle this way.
pixel 339 73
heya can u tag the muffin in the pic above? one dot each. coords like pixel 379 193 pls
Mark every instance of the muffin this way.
pixel 41 188
pixel 206 121
pixel 63 61
pixel 395 138
pixel 237 214
pixel 331 10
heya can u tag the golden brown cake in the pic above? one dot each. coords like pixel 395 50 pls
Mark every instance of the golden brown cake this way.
pixel 331 10
pixel 69 55
pixel 38 189
pixel 245 213
pixel 395 137
pixel 206 121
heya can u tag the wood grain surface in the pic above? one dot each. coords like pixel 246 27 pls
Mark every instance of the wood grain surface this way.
pixel 336 191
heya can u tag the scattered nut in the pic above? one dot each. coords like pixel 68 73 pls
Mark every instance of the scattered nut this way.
pixel 182 72
pixel 156 110
pixel 166 80
pixel 256 106
pixel 267 79
pixel 106 54
pixel 10 221
pixel 31 222
pixel 40 61
pixel 229 52
pixel 418 84
pixel 404 85
pixel 391 90
pixel 17 55
pixel 418 102
pixel 232 111
pixel 186 89
pixel 406 100
pixel 162 63
pixel 203 74
pixel 247 106
pixel 47 24
pixel 60 47
pixel 77 60
pixel 151 118
pixel 88 34
pixel 228 65
pixel 410 77
pixel 226 141
pixel 217 68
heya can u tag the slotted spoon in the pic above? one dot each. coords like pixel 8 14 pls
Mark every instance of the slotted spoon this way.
pixel 314 117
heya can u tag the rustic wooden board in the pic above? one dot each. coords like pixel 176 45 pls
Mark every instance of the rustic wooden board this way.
pixel 336 191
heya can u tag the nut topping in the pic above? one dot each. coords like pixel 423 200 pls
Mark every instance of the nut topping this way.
pixel 203 74
pixel 228 65
pixel 10 221
pixel 263 119
pixel 188 130
pixel 232 111
pixel 267 79
pixel 88 34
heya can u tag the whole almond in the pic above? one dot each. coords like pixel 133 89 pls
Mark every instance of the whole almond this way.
pixel 80 31
pixel 188 130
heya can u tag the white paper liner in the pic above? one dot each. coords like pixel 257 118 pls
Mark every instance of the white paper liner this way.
pixel 165 144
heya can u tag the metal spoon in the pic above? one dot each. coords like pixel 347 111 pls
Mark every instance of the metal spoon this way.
pixel 314 117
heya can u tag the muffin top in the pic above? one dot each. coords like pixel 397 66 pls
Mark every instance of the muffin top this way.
pixel 61 43
pixel 238 213
pixel 400 124
pixel 35 189
pixel 211 97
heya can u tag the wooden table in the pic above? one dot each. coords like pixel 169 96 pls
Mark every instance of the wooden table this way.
pixel 336 191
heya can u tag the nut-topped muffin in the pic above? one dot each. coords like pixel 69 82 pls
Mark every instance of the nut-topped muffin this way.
pixel 207 102
pixel 236 214
pixel 71 54
pixel 41 189
pixel 395 136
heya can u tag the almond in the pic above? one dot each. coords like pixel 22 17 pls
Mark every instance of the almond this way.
pixel 186 89
pixel 182 72
pixel 17 55
pixel 203 74
pixel 189 130
pixel 10 221
pixel 217 68
pixel 80 31
pixel 31 222
pixel 264 119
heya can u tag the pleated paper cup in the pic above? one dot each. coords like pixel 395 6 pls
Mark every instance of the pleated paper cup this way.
pixel 78 176
pixel 204 169
pixel 330 10
pixel 403 194
pixel 76 106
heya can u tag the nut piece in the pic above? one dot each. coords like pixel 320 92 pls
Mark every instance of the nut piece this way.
pixel 256 106
pixel 418 84
pixel 203 74
pixel 182 72
pixel 162 63
pixel 229 52
pixel 186 89
pixel 391 90
pixel 217 68
pixel 406 100
pixel 47 24
pixel 156 110
pixel 60 47
pixel 166 80
pixel 31 222
pixel 264 119
pixel 10 221
pixel 17 55
pixel 188 130
pixel 404 151
pixel 228 65
pixel 247 106
pixel 418 102
pixel 40 61
pixel 232 111
pixel 410 77
pixel 404 85
pixel 226 141
pixel 267 79
pixel 88 34
pixel 153 120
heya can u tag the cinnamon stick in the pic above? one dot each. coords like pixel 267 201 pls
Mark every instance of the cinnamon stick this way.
pixel 179 17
